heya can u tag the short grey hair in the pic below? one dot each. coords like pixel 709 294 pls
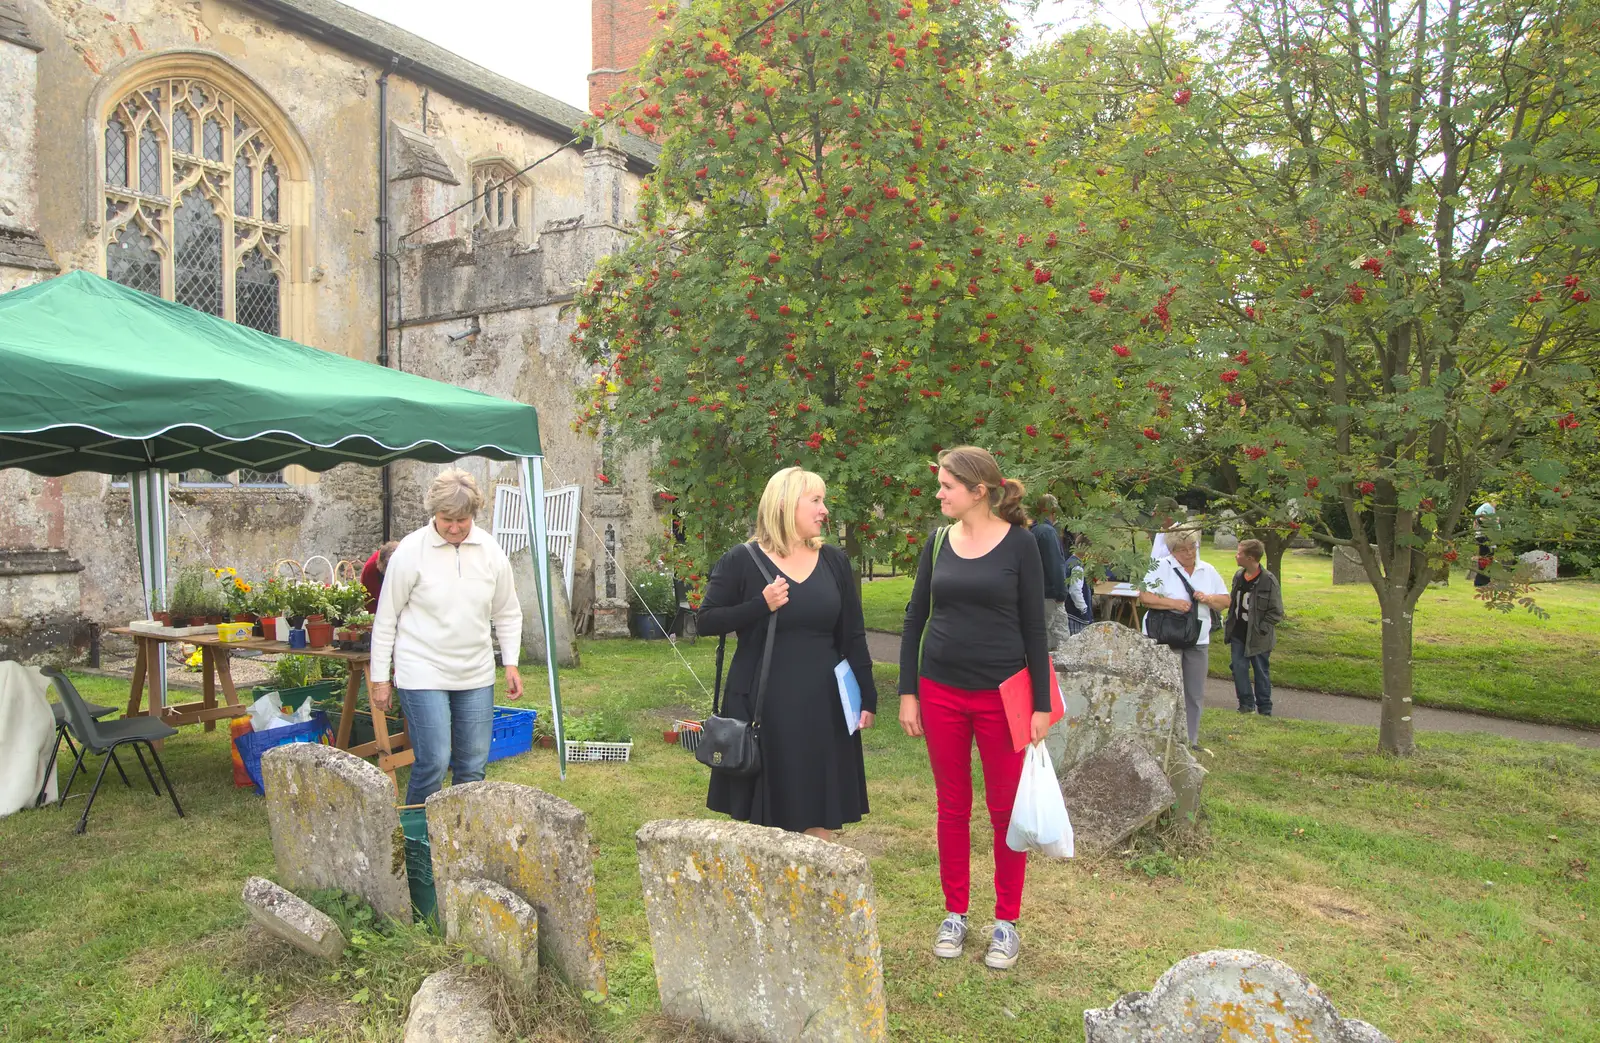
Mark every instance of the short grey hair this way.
pixel 1182 538
pixel 454 494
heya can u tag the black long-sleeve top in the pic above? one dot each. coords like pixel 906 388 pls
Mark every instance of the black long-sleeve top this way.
pixel 733 605
pixel 987 621
pixel 1052 559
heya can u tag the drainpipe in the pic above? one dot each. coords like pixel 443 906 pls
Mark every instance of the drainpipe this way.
pixel 387 480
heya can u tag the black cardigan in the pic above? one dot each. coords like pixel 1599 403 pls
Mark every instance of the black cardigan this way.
pixel 733 605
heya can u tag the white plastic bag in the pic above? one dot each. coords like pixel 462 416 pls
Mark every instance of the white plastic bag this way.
pixel 1039 817
pixel 267 713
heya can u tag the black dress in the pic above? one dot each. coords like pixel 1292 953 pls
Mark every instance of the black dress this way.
pixel 813 774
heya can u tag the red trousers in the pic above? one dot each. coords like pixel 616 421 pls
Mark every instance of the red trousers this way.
pixel 951 719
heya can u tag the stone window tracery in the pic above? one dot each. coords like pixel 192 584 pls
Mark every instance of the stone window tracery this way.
pixel 499 196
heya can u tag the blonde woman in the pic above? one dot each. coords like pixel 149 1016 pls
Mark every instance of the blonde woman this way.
pixel 447 585
pixel 812 778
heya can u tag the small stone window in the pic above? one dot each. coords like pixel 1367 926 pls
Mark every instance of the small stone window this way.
pixel 502 198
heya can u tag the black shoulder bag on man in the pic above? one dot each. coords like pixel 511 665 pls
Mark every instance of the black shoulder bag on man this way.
pixel 727 743
pixel 1175 629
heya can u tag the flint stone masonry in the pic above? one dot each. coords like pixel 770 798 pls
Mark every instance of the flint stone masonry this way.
pixel 493 922
pixel 1540 566
pixel 536 846
pixel 334 824
pixel 1113 793
pixel 452 1006
pixel 1227 994
pixel 761 934
pixel 1347 566
pixel 294 920
pixel 1115 682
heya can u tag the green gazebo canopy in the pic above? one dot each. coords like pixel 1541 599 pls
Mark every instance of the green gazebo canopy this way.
pixel 98 377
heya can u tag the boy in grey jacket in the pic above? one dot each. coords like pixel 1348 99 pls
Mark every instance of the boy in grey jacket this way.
pixel 1255 608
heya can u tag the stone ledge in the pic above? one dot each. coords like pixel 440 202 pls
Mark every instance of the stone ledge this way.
pixel 33 562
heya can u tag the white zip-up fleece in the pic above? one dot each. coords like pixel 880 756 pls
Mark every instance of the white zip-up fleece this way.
pixel 435 612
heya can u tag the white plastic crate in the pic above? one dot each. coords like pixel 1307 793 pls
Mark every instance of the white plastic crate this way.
pixel 598 751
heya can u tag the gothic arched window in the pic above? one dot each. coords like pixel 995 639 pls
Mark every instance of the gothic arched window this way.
pixel 500 197
pixel 192 204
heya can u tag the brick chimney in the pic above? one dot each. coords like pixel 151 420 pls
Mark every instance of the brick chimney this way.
pixel 619 32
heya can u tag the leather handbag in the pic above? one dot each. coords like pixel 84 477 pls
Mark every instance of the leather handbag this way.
pixel 1176 630
pixel 728 744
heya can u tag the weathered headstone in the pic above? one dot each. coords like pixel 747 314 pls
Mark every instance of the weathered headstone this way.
pixel 1226 536
pixel 334 824
pixel 452 1006
pixel 1187 777
pixel 527 584
pixel 761 934
pixel 537 846
pixel 1539 565
pixel 1112 793
pixel 1347 567
pixel 493 922
pixel 293 919
pixel 1227 994
pixel 1115 682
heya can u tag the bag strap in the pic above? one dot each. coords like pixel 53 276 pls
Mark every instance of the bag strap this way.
pixel 938 542
pixel 772 630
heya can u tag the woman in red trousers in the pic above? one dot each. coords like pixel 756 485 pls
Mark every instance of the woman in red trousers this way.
pixel 976 617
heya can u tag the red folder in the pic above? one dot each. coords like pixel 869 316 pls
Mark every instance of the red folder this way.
pixel 1016 695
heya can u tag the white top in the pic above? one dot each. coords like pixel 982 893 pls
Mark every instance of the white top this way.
pixel 1163 581
pixel 1486 508
pixel 436 608
pixel 1158 547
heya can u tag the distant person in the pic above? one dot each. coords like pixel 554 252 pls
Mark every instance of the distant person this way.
pixel 1080 594
pixel 1166 583
pixel 372 573
pixel 1043 527
pixel 1483 521
pixel 975 619
pixel 813 777
pixel 1255 607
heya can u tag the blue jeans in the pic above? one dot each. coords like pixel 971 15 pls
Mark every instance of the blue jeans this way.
pixel 1259 696
pixel 447 730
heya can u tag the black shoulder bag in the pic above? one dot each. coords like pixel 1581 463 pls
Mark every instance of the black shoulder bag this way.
pixel 726 743
pixel 1174 629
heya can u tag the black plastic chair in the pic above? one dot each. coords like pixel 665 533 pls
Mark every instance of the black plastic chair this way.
pixel 96 711
pixel 102 739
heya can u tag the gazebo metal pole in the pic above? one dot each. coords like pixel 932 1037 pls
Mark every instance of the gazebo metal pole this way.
pixel 148 493
pixel 531 470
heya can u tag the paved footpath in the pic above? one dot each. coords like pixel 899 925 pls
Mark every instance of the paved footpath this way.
pixel 1337 709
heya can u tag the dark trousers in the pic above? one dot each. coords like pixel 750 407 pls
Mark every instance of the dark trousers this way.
pixel 1257 697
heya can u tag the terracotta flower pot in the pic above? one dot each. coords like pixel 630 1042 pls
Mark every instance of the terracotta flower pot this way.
pixel 547 741
pixel 669 736
pixel 244 617
pixel 319 635
pixel 164 618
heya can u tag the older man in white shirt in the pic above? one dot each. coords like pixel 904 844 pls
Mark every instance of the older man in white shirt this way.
pixel 1167 590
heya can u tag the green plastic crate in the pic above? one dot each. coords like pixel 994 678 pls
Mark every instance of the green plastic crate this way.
pixel 325 693
pixel 419 862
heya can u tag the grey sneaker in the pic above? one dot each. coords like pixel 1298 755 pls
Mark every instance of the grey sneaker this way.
pixel 952 936
pixel 1004 946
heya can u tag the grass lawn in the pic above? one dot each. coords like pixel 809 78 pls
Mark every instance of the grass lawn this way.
pixel 1446 897
pixel 1468 657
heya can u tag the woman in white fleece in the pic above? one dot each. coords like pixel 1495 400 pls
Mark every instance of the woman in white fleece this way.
pixel 446 584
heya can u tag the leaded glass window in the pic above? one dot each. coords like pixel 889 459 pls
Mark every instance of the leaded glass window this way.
pixel 198 254
pixel 131 260
pixel 256 293
pixel 185 216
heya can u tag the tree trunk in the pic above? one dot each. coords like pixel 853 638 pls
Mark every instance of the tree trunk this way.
pixel 1275 548
pixel 852 550
pixel 1395 724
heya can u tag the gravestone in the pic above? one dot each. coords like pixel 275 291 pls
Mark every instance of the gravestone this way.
pixel 293 919
pixel 762 934
pixel 334 824
pixel 1113 793
pixel 1347 567
pixel 1226 536
pixel 494 923
pixel 1227 994
pixel 452 1006
pixel 1115 682
pixel 1540 566
pixel 527 584
pixel 536 846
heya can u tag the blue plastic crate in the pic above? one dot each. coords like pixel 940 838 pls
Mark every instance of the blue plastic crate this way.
pixel 251 745
pixel 511 732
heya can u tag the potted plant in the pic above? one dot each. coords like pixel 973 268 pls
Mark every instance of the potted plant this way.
pixel 345 600
pixel 601 736
pixel 544 731
pixel 301 600
pixel 239 597
pixel 653 601
pixel 356 633
pixel 186 603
